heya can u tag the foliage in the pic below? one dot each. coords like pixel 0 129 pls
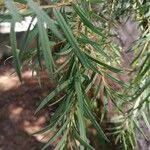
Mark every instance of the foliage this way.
pixel 81 32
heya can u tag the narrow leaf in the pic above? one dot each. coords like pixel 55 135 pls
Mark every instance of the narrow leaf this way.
pixel 13 10
pixel 44 41
pixel 73 42
pixel 77 136
pixel 53 94
pixel 15 53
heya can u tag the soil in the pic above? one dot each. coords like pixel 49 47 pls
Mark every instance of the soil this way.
pixel 18 103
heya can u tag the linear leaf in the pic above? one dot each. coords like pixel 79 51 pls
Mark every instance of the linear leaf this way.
pixel 81 125
pixel 86 20
pixel 103 64
pixel 61 143
pixel 73 42
pixel 58 133
pixel 146 120
pixel 44 41
pixel 79 93
pixel 40 13
pixel 94 122
pixel 139 128
pixel 13 10
pixel 29 37
pixel 53 94
pixel 84 39
pixel 141 90
pixel 77 136
pixel 15 53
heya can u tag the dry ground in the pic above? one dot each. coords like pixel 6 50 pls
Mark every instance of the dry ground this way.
pixel 17 106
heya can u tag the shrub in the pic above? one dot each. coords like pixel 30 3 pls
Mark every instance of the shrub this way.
pixel 98 53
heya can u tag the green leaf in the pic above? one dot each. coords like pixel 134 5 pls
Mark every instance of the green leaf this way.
pixel 58 133
pixel 63 66
pixel 53 94
pixel 79 92
pixel 62 111
pixel 103 64
pixel 115 80
pixel 86 21
pixel 84 39
pixel 139 128
pixel 27 40
pixel 94 122
pixel 15 52
pixel 29 37
pixel 77 136
pixel 146 120
pixel 140 91
pixel 73 42
pixel 44 41
pixel 62 142
pixel 13 10
pixel 21 1
pixel 146 69
pixel 81 124
pixel 58 115
pixel 45 18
